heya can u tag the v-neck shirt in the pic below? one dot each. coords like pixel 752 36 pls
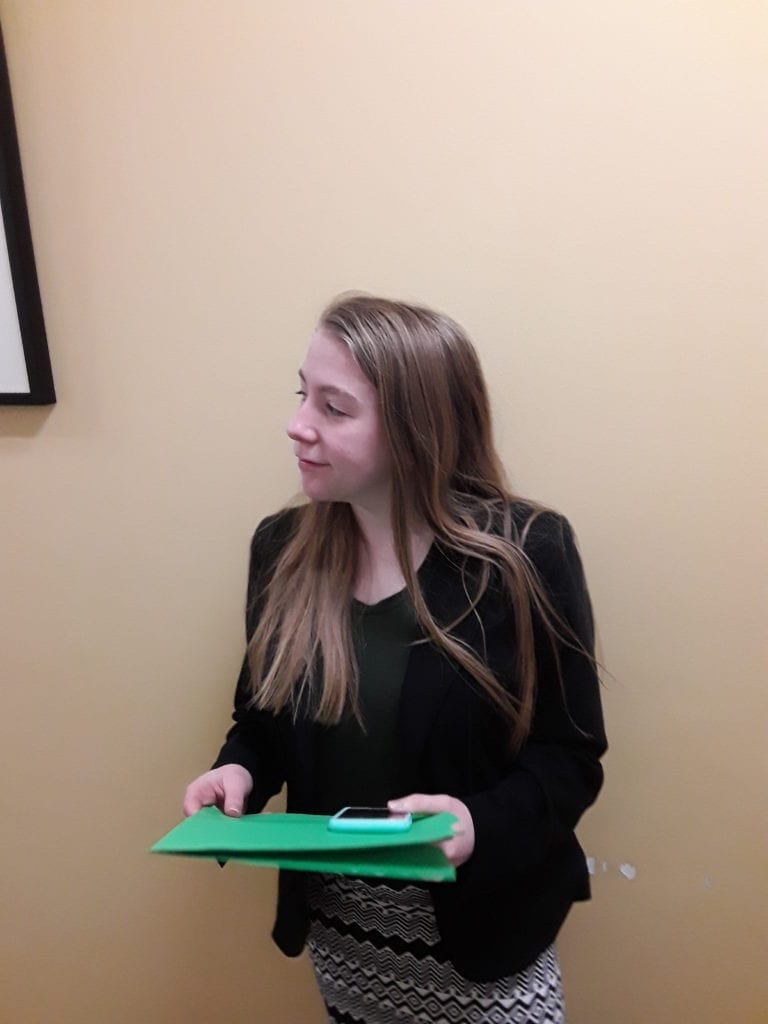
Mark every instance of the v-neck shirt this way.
pixel 358 765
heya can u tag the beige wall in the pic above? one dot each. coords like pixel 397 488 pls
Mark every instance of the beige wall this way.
pixel 583 185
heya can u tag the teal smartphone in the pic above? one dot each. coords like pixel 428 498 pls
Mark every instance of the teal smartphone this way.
pixel 370 819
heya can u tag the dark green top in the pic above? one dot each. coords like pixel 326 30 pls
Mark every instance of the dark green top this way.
pixel 359 767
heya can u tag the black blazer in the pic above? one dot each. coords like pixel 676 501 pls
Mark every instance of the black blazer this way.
pixel 527 868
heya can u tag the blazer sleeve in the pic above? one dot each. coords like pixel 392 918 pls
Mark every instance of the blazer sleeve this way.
pixel 557 773
pixel 254 740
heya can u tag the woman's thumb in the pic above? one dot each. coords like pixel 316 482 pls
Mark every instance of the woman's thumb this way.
pixel 235 792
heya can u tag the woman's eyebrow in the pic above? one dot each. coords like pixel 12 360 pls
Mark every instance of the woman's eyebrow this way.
pixel 331 389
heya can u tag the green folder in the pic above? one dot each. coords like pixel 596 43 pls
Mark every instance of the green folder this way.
pixel 303 842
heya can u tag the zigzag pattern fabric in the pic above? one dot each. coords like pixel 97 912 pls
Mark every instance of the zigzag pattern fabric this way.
pixel 377 958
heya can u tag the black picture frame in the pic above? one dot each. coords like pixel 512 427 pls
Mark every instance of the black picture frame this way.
pixel 23 293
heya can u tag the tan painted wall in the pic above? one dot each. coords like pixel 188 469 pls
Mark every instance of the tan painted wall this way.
pixel 583 185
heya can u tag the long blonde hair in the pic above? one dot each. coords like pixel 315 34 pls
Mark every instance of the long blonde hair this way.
pixel 445 473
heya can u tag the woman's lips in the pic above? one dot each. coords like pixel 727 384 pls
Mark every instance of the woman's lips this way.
pixel 307 464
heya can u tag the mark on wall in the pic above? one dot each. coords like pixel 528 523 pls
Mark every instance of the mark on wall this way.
pixel 629 871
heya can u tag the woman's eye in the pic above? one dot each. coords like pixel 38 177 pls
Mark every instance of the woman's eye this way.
pixel 331 410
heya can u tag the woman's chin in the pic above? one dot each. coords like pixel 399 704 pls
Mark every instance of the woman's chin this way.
pixel 313 493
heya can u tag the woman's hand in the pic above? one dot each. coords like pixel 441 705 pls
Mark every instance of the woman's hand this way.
pixel 226 787
pixel 459 848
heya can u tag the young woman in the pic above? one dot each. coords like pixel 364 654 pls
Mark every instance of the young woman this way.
pixel 417 636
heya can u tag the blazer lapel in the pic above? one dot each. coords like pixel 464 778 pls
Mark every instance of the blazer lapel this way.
pixel 428 680
pixel 430 675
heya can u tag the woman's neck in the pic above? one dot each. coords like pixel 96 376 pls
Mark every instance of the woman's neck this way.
pixel 379 574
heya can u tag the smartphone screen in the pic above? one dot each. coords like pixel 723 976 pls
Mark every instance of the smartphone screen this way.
pixel 370 819
pixel 368 812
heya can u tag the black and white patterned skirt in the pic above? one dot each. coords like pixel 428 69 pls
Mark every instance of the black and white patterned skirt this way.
pixel 377 958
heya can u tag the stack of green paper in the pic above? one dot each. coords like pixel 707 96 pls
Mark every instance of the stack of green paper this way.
pixel 303 842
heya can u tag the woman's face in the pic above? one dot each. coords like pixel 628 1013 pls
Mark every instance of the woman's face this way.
pixel 337 433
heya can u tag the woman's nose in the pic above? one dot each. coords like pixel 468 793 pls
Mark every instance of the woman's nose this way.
pixel 300 429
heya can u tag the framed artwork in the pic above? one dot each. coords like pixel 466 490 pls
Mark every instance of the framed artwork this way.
pixel 25 366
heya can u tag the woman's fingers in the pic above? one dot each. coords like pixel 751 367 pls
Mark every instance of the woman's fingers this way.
pixel 226 787
pixel 200 793
pixel 422 803
pixel 459 848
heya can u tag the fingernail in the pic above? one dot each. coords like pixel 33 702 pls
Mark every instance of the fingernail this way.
pixel 234 812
